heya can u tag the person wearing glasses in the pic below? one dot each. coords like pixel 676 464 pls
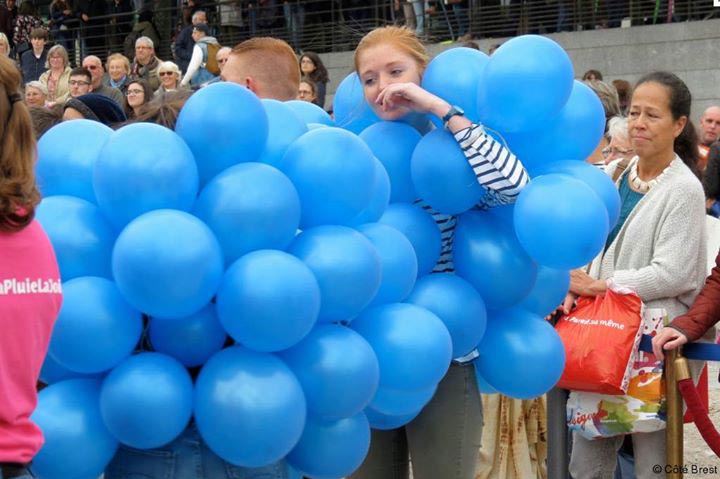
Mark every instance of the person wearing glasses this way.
pixel 80 82
pixel 169 74
pixel 95 67
pixel 619 146
pixel 611 105
pixel 146 63
pixel 139 93
pixel 57 76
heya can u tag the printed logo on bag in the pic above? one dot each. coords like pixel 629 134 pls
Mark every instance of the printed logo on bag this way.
pixel 609 323
pixel 15 286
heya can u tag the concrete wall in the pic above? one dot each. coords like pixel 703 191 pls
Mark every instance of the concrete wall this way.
pixel 691 50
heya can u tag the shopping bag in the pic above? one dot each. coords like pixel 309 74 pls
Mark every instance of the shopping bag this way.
pixel 600 337
pixel 642 409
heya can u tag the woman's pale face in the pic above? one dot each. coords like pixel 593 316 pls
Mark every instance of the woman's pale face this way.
pixel 116 70
pixel 34 97
pixel 307 66
pixel 651 125
pixel 619 147
pixel 169 79
pixel 135 95
pixel 4 49
pixel 382 65
pixel 57 62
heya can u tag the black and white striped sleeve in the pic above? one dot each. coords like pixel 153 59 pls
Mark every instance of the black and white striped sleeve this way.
pixel 496 168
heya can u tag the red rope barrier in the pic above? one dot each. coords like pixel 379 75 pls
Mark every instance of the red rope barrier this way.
pixel 702 421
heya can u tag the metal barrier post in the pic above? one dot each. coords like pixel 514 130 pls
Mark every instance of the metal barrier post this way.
pixel 674 430
pixel 557 453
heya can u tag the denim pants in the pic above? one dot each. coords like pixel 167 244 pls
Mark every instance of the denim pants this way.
pixel 187 457
pixel 419 8
pixel 443 441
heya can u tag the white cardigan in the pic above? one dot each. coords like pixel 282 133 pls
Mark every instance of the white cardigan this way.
pixel 660 252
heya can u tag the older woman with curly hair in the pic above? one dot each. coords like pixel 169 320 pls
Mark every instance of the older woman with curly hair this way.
pixel 27 310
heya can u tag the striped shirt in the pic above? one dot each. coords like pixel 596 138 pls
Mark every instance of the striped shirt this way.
pixel 499 172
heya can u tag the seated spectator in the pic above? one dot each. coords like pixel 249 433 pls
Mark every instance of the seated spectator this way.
pixel 57 78
pixel 33 61
pixel 169 74
pixel 146 63
pixel 620 146
pixel 203 64
pixel 95 67
pixel 307 90
pixel 35 94
pixel 118 67
pixel 711 181
pixel 591 75
pixel 139 94
pixel 80 82
pixel 93 107
pixel 45 118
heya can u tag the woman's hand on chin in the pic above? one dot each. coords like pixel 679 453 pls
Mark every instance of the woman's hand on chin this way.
pixel 412 97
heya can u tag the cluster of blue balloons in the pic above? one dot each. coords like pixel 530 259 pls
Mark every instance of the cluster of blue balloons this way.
pixel 288 255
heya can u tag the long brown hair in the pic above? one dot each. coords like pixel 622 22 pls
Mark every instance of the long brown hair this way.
pixel 18 191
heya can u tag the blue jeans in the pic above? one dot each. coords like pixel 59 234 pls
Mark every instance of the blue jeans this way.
pixel 187 457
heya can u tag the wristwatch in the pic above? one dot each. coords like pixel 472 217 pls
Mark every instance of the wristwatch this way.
pixel 453 111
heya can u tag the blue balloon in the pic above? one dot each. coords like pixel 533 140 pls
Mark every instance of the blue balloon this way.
pixel 401 402
pixel 482 384
pixel 147 400
pixel 412 345
pixel 249 407
pixel 69 415
pixel 397 260
pixel 454 76
pixel 521 355
pixel 332 449
pixel 333 171
pixel 393 144
pixel 527 80
pixel 504 212
pixel 144 167
pixel 595 178
pixel 583 114
pixel 346 265
pixel 549 291
pixel 81 236
pixel 420 228
pixel 442 175
pixel 385 422
pixel 284 127
pixel 337 369
pixel 223 124
pixel 53 372
pixel 167 264
pixel 560 221
pixel 310 112
pixel 380 197
pixel 65 165
pixel 488 255
pixel 351 110
pixel 96 328
pixel 192 340
pixel 457 304
pixel 250 206
pixel 268 300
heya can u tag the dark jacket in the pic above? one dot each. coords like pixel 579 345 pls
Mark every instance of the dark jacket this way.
pixel 705 311
pixel 31 66
pixel 184 47
pixel 7 22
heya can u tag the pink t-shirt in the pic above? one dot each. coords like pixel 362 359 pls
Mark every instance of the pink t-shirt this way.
pixel 30 299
